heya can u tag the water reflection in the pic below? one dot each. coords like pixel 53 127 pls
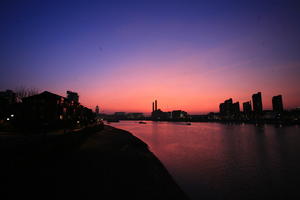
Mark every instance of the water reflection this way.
pixel 219 161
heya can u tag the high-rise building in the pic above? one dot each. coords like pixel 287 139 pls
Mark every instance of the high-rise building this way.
pixel 236 108
pixel 226 107
pixel 222 108
pixel 277 103
pixel 257 102
pixel 247 107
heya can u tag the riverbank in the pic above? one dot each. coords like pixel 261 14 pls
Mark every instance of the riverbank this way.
pixel 90 164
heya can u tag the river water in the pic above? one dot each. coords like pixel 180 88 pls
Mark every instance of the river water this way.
pixel 221 161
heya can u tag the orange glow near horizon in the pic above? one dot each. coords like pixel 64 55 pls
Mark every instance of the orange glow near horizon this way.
pixel 122 56
pixel 187 87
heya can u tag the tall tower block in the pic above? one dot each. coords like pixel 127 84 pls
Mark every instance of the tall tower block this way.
pixel 257 102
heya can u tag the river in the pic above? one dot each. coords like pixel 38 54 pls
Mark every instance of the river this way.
pixel 221 161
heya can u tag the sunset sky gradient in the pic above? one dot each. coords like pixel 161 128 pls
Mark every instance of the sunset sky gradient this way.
pixel 189 55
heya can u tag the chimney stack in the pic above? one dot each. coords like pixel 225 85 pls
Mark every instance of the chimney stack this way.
pixel 152 106
pixel 155 104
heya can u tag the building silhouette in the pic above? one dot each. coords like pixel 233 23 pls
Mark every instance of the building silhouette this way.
pixel 8 97
pixel 135 116
pixel 120 115
pixel 8 101
pixel 73 96
pixel 247 107
pixel 178 115
pixel 53 110
pixel 222 108
pixel 153 108
pixel 226 107
pixel 229 110
pixel 236 108
pixel 158 114
pixel 277 103
pixel 257 103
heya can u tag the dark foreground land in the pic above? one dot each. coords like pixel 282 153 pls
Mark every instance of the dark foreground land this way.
pixel 94 163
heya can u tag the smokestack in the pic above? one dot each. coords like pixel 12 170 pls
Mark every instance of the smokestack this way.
pixel 152 106
pixel 155 104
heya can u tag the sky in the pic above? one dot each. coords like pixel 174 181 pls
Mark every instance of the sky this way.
pixel 122 55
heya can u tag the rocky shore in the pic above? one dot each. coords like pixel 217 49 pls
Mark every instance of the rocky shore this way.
pixel 95 163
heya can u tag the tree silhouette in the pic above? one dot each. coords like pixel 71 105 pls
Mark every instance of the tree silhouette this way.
pixel 22 92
